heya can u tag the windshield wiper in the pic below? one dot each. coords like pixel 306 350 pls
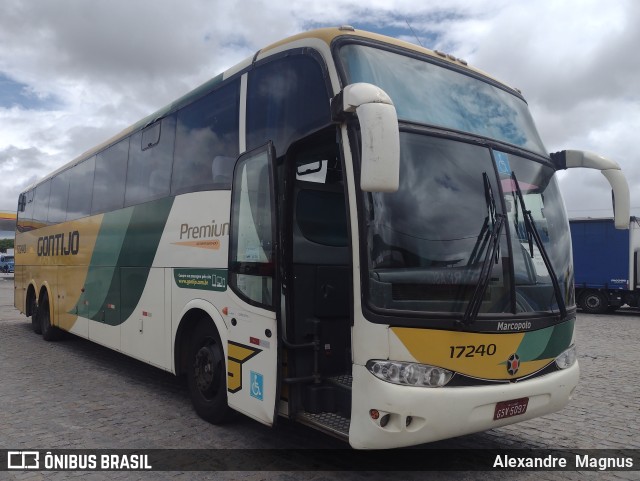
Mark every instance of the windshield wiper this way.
pixel 534 236
pixel 489 238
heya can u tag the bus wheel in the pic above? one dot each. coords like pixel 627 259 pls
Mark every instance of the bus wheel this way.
pixel 594 302
pixel 35 322
pixel 49 332
pixel 206 374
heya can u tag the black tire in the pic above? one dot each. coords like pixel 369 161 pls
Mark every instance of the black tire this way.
pixel 49 332
pixel 594 302
pixel 207 374
pixel 36 325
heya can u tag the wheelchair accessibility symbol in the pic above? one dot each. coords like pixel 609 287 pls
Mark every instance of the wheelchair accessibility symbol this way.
pixel 256 385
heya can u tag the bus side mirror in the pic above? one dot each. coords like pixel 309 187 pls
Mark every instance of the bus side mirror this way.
pixel 380 163
pixel 568 159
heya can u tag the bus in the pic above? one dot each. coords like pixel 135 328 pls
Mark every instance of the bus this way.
pixel 346 230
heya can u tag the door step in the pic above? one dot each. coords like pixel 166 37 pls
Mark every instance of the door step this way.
pixel 343 380
pixel 331 423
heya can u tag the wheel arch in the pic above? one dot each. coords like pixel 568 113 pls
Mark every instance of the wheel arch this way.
pixel 191 315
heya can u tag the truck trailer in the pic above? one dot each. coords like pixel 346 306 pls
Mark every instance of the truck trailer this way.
pixel 605 261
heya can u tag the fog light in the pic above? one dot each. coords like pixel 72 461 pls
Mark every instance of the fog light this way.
pixel 567 358
pixel 384 420
pixel 409 419
pixel 374 413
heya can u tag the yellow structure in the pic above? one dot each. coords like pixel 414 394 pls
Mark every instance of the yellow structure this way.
pixel 7 221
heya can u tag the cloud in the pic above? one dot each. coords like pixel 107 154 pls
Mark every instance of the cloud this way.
pixel 93 68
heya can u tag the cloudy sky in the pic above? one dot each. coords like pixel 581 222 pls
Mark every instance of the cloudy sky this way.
pixel 73 73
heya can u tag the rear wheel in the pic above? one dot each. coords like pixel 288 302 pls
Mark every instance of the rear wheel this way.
pixel 49 332
pixel 33 309
pixel 206 374
pixel 594 302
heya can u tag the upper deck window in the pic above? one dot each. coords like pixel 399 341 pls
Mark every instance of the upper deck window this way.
pixel 430 94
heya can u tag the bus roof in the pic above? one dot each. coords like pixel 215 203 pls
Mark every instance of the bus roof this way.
pixel 328 35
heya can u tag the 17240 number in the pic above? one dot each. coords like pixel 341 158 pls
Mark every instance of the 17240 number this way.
pixel 472 350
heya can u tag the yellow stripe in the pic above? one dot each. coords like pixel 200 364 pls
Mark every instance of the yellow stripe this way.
pixel 480 355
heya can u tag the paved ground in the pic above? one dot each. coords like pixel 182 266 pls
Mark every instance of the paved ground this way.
pixel 74 394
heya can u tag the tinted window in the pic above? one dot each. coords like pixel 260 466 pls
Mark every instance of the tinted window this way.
pixel 111 174
pixel 80 189
pixel 27 214
pixel 59 196
pixel 41 207
pixel 207 141
pixel 149 171
pixel 322 218
pixel 287 99
pixel 150 136
pixel 252 248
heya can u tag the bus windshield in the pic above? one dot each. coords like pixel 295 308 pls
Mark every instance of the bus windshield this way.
pixel 429 94
pixel 428 242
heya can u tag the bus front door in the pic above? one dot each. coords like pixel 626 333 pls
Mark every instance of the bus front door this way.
pixel 252 357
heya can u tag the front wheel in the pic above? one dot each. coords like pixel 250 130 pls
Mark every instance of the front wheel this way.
pixel 206 374
pixel 594 302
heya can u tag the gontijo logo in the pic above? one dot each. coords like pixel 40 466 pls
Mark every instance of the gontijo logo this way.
pixel 59 244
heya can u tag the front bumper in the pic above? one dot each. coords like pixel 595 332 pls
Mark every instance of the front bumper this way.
pixel 440 413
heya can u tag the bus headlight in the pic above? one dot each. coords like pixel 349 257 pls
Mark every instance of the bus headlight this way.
pixel 567 358
pixel 409 373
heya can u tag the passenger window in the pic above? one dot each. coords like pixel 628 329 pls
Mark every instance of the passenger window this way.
pixel 286 99
pixel 151 136
pixel 149 170
pixel 41 207
pixel 207 141
pixel 110 178
pixel 59 197
pixel 81 189
pixel 26 215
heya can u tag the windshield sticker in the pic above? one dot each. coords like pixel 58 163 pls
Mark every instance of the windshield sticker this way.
pixel 502 163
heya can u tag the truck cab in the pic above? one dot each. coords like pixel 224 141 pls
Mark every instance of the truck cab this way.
pixel 6 263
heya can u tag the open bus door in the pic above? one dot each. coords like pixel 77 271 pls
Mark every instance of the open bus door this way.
pixel 252 350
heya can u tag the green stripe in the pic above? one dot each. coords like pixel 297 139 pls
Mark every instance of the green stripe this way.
pixel 546 343
pixel 124 252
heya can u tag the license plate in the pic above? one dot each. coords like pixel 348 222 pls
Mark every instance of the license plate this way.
pixel 506 409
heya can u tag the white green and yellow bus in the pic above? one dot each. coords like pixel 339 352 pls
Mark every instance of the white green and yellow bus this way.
pixel 346 230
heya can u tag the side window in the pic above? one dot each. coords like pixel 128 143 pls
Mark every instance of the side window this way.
pixel 286 99
pixel 111 174
pixel 320 206
pixel 41 207
pixel 59 198
pixel 26 214
pixel 251 265
pixel 81 189
pixel 207 141
pixel 150 136
pixel 321 217
pixel 149 170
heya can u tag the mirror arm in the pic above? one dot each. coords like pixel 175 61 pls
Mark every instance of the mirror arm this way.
pixel 569 159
